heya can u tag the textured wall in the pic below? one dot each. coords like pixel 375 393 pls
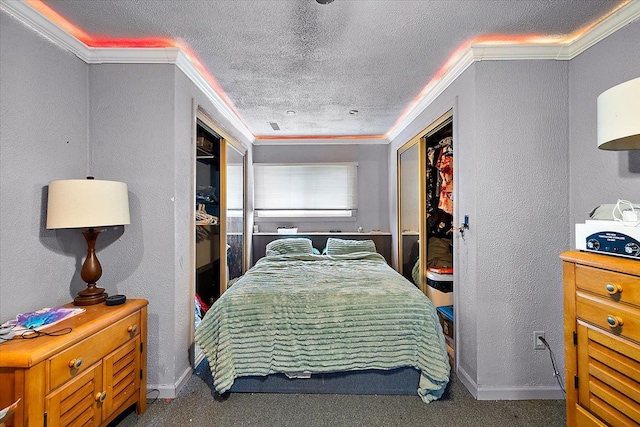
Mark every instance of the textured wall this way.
pixel 527 168
pixel 459 96
pixel 43 137
pixel 522 215
pixel 511 131
pixel 510 165
pixel 142 119
pixel 373 199
pixel 186 96
pixel 600 176
pixel 132 128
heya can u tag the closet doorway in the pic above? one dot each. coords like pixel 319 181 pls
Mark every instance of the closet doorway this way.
pixel 219 242
pixel 425 217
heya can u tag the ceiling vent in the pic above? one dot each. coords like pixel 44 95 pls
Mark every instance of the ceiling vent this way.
pixel 274 126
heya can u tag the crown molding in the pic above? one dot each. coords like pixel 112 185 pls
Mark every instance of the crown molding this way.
pixel 515 52
pixel 129 55
pixel 465 61
pixel 43 26
pixel 623 16
pixel 196 77
pixel 169 55
pixel 90 55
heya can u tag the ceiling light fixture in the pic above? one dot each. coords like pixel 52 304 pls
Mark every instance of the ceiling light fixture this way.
pixel 290 112
pixel 324 1
pixel 353 112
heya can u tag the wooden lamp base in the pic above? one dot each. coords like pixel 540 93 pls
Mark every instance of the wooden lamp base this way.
pixel 90 273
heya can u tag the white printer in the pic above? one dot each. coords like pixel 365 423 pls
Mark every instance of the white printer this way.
pixel 612 230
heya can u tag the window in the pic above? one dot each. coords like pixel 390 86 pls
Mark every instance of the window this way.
pixel 235 189
pixel 326 190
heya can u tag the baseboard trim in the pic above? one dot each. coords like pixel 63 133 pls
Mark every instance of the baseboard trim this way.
pixel 520 393
pixel 168 391
pixel 467 381
pixel 508 393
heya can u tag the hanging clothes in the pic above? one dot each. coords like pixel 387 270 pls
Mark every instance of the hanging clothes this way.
pixel 432 178
pixel 445 171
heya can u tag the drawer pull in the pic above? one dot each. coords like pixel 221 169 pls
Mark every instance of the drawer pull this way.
pixel 101 396
pixel 133 329
pixel 614 321
pixel 613 289
pixel 75 363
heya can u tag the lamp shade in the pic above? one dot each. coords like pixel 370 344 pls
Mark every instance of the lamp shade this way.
pixel 619 117
pixel 86 203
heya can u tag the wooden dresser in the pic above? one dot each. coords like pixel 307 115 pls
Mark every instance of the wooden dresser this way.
pixel 84 378
pixel 602 339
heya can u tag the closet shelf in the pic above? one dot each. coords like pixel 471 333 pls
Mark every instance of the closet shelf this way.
pixel 207 157
pixel 201 153
pixel 206 223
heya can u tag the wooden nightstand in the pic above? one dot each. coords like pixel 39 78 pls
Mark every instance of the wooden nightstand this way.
pixel 86 377
pixel 602 339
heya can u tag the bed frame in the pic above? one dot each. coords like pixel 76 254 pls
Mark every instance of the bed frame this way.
pixel 400 381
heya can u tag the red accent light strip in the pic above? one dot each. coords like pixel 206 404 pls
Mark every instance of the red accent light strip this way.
pixel 521 39
pixel 141 42
pixel 273 137
pixel 162 42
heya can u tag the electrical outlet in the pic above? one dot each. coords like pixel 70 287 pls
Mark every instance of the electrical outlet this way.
pixel 537 344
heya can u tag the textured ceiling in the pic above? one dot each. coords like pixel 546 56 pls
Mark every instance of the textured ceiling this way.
pixel 321 61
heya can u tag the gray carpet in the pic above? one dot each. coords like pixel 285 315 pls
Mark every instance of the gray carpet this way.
pixel 196 406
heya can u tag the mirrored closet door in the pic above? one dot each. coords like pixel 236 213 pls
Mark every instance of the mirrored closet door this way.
pixel 208 199
pixel 425 203
pixel 220 250
pixel 425 218
pixel 409 215
pixel 235 218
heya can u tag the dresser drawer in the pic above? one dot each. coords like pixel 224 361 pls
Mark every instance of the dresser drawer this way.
pixel 610 367
pixel 617 318
pixel 74 360
pixel 585 419
pixel 614 286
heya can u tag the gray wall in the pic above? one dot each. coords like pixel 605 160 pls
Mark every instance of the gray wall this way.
pixel 43 137
pixel 511 178
pixel 187 95
pixel 525 149
pixel 522 187
pixel 460 97
pixel 372 182
pixel 599 176
pixel 527 168
pixel 132 140
pixel 64 119
pixel 151 149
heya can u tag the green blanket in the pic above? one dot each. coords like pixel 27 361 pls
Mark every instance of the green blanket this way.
pixel 319 313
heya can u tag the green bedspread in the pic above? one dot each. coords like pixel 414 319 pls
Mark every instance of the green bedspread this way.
pixel 319 313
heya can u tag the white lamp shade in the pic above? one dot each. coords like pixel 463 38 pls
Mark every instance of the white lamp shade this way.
pixel 619 117
pixel 82 203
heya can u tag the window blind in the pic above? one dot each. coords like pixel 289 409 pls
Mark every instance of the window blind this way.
pixel 306 187
pixel 235 187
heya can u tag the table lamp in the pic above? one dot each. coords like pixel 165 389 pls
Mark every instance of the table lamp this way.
pixel 619 117
pixel 88 204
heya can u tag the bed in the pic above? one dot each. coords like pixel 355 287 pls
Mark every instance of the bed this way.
pixel 346 314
